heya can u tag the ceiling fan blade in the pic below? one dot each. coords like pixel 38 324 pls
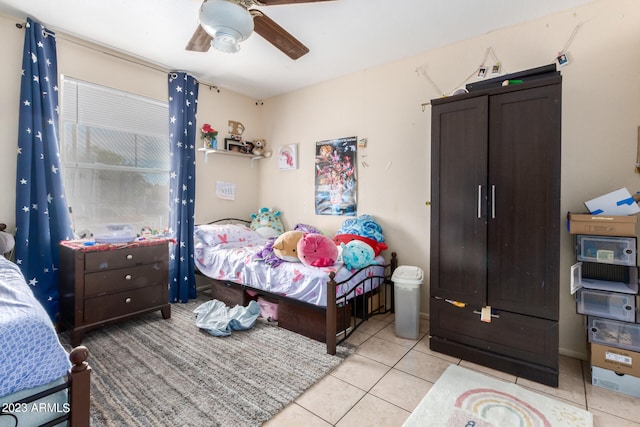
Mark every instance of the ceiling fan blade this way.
pixel 200 40
pixel 276 2
pixel 277 36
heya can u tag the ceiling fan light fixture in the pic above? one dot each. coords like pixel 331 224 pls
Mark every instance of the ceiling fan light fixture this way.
pixel 227 23
pixel 225 42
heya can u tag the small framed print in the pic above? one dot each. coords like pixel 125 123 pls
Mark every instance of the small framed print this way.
pixel 495 70
pixel 288 157
pixel 563 59
pixel 482 72
pixel 234 146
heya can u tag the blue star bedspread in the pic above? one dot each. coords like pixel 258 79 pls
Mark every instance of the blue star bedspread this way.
pixel 30 352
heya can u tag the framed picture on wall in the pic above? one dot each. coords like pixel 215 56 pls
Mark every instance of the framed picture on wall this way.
pixel 234 146
pixel 288 157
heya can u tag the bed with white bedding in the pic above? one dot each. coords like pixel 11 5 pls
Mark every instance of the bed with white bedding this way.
pixel 310 300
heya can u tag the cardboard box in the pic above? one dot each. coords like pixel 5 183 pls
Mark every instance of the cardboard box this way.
pixel 378 301
pixel 604 225
pixel 615 359
pixel 619 202
pixel 605 378
pixel 374 303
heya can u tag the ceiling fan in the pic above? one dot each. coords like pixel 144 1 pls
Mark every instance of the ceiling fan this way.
pixel 225 23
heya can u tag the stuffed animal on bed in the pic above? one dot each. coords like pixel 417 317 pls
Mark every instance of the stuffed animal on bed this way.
pixel 317 250
pixel 307 228
pixel 267 255
pixel 363 228
pixel 267 223
pixel 374 244
pixel 286 245
pixel 357 254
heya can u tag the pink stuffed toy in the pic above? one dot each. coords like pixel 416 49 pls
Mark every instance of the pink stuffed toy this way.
pixel 317 250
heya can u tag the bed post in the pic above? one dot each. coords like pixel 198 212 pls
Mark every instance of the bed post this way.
pixel 331 313
pixel 80 378
pixel 394 265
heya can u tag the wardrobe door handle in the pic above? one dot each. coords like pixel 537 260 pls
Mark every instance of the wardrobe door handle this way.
pixel 493 202
pixel 479 201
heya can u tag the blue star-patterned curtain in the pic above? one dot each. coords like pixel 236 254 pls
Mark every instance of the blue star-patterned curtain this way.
pixel 183 106
pixel 42 215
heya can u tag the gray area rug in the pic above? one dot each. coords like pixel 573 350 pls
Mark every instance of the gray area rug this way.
pixel 149 371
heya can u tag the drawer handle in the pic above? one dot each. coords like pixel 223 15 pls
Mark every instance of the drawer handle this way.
pixel 128 300
pixel 129 256
pixel 127 277
pixel 497 316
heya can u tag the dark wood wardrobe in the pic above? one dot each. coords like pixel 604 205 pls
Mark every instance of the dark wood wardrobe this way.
pixel 495 227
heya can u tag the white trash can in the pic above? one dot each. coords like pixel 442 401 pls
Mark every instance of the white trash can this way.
pixel 407 281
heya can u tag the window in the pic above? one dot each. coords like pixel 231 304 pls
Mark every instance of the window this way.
pixel 115 157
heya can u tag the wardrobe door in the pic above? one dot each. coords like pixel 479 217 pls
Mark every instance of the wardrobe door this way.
pixel 524 204
pixel 458 194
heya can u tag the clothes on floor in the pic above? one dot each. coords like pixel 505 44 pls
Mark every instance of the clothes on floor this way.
pixel 219 320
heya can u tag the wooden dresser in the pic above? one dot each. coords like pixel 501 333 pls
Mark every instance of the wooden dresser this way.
pixel 109 282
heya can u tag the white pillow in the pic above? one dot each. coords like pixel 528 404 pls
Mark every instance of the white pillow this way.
pixel 222 234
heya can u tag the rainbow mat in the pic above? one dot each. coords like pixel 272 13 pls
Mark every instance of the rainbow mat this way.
pixel 462 397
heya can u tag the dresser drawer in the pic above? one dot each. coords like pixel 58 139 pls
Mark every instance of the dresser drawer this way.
pixel 509 334
pixel 122 303
pixel 125 257
pixel 110 281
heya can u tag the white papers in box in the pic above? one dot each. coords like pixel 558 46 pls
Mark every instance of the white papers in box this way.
pixel 619 202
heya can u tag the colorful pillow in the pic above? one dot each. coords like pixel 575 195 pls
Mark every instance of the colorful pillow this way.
pixel 286 245
pixel 363 225
pixel 375 245
pixel 267 223
pixel 223 234
pixel 357 254
pixel 317 250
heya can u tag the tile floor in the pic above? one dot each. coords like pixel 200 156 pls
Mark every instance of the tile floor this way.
pixel 385 379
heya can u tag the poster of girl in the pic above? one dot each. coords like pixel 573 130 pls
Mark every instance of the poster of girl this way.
pixel 335 177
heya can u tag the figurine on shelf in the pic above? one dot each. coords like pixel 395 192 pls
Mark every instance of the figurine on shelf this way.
pixel 209 136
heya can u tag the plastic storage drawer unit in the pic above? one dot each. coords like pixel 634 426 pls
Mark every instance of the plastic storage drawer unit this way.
pixel 605 249
pixel 610 305
pixel 604 277
pixel 614 333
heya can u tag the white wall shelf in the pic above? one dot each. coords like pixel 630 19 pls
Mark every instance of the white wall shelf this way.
pixel 208 151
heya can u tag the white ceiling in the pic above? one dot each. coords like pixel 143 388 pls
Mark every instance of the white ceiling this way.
pixel 343 36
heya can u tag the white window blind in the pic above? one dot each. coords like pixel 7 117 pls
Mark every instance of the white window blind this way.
pixel 115 156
